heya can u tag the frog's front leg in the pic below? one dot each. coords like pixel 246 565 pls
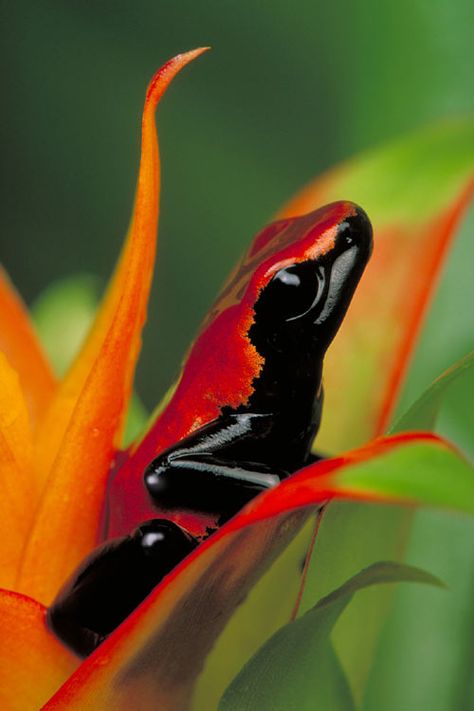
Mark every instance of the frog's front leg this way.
pixel 204 482
pixel 113 580
pixel 219 467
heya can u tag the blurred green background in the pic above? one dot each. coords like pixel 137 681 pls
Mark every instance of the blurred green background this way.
pixel 288 90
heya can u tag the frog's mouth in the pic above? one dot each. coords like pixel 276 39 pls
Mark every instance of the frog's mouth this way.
pixel 301 308
pixel 342 271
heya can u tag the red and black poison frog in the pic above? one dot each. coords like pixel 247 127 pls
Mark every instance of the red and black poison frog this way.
pixel 243 417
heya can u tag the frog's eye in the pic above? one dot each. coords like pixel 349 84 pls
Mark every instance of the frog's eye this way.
pixel 296 290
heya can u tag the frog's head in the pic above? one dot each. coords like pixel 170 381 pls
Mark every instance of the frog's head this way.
pixel 308 284
pixel 275 317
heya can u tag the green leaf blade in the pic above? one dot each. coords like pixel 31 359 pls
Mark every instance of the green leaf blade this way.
pixel 430 474
pixel 298 667
pixel 424 411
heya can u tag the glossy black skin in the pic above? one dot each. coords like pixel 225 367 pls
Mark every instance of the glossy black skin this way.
pixel 113 581
pixel 226 463
pixel 245 451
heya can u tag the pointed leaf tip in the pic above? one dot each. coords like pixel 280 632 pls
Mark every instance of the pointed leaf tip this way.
pixel 424 411
pixel 165 74
pixel 88 412
pixel 298 663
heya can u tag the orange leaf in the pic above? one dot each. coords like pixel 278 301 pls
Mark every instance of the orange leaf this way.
pixel 83 427
pixel 19 343
pixel 415 192
pixel 19 492
pixel 159 651
pixel 33 664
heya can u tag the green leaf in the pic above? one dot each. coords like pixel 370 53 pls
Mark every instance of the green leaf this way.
pixel 136 420
pixel 421 472
pixel 437 629
pixel 298 668
pixel 425 656
pixel 254 621
pixel 423 413
pixel 62 315
pixel 354 535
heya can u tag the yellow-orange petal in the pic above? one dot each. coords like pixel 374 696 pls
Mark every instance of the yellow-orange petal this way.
pixel 83 427
pixel 33 664
pixel 19 494
pixel 20 344
pixel 124 305
pixel 415 192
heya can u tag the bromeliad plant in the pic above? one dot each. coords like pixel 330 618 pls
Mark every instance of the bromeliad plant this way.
pixel 59 441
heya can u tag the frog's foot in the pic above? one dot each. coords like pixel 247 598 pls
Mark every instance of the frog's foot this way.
pixel 113 580
pixel 202 482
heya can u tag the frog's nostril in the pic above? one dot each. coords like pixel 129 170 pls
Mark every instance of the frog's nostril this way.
pixel 356 230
